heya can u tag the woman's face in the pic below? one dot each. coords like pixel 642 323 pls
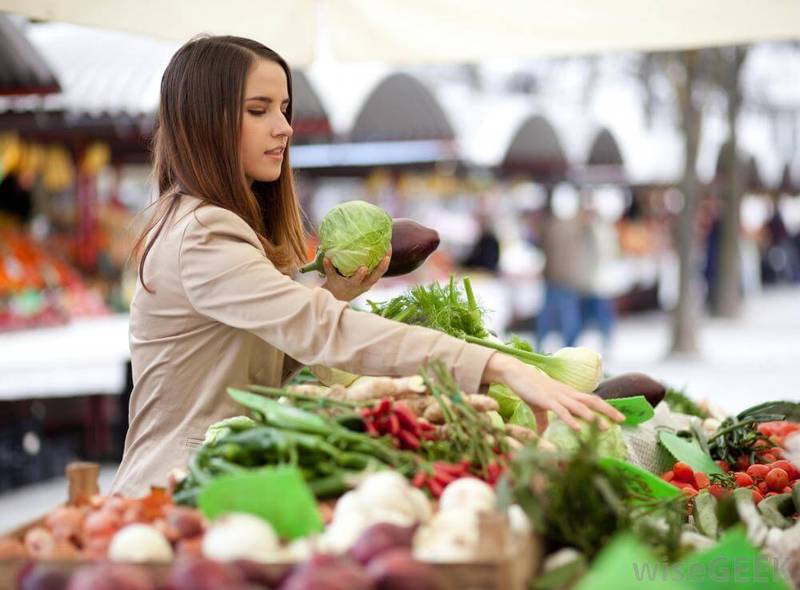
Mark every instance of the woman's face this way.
pixel 265 130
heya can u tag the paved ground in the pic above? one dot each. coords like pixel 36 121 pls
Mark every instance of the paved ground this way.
pixel 742 362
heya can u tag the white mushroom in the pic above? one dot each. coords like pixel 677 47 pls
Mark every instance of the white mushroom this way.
pixel 139 543
pixel 240 536
pixel 468 494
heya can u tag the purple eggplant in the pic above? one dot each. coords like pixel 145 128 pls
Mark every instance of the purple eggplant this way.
pixel 630 384
pixel 412 243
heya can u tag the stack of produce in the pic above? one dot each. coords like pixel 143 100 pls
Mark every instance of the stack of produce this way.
pixel 151 528
pixel 335 435
pixel 38 288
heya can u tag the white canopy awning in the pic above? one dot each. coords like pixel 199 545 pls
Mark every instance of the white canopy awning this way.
pixel 414 31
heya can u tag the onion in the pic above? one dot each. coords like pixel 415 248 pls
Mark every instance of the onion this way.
pixel 380 538
pixel 396 569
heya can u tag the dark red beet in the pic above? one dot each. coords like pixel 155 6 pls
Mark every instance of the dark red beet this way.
pixel 326 572
pixel 412 243
pixel 397 569
pixel 111 576
pixel 261 574
pixel 379 538
pixel 202 574
pixel 43 577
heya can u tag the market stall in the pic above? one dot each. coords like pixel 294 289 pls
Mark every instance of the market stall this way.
pixel 341 481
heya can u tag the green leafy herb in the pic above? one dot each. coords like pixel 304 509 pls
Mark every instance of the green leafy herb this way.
pixel 739 435
pixel 573 501
pixel 679 402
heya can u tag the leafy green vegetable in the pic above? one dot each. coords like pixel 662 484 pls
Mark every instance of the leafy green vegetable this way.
pixel 739 434
pixel 434 306
pixel 352 235
pixel 610 442
pixel 573 500
pixel 689 453
pixel 447 310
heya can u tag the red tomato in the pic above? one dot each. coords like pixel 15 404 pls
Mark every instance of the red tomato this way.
pixel 770 494
pixel 757 497
pixel 742 463
pixel 787 490
pixel 724 465
pixel 768 458
pixel 767 428
pixel 701 480
pixel 777 479
pixel 716 490
pixel 763 487
pixel 683 472
pixel 668 476
pixel 743 480
pixel 682 485
pixel 758 472
pixel 790 469
pixel 689 491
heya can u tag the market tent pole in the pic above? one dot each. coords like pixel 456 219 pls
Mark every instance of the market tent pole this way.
pixel 414 31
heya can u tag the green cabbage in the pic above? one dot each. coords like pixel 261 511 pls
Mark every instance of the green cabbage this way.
pixel 610 442
pixel 512 409
pixel 352 235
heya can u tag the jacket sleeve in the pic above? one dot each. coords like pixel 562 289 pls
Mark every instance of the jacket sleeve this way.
pixel 228 278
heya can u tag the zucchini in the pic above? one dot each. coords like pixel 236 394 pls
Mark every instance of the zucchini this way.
pixel 705 514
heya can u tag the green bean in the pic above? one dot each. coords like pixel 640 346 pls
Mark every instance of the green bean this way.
pixel 281 415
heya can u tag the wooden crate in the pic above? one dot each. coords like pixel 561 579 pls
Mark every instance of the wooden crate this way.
pixel 501 568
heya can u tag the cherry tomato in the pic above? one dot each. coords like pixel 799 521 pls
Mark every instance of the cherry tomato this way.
pixel 724 465
pixel 768 458
pixel 716 490
pixel 757 497
pixel 790 469
pixel 742 463
pixel 701 480
pixel 758 472
pixel 683 472
pixel 777 479
pixel 743 480
pixel 668 475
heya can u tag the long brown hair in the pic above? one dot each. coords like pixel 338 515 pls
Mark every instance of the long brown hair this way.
pixel 196 148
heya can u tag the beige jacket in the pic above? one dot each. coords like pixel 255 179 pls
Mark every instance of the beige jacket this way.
pixel 222 315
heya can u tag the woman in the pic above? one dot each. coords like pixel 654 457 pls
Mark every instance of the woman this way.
pixel 215 305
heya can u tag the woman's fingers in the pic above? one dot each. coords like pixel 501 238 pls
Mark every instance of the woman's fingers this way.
pixel 541 420
pixel 580 410
pixel 600 405
pixel 327 265
pixel 565 416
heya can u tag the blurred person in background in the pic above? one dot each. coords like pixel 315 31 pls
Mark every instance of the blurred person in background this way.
pixel 781 259
pixel 485 253
pixel 560 239
pixel 598 280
